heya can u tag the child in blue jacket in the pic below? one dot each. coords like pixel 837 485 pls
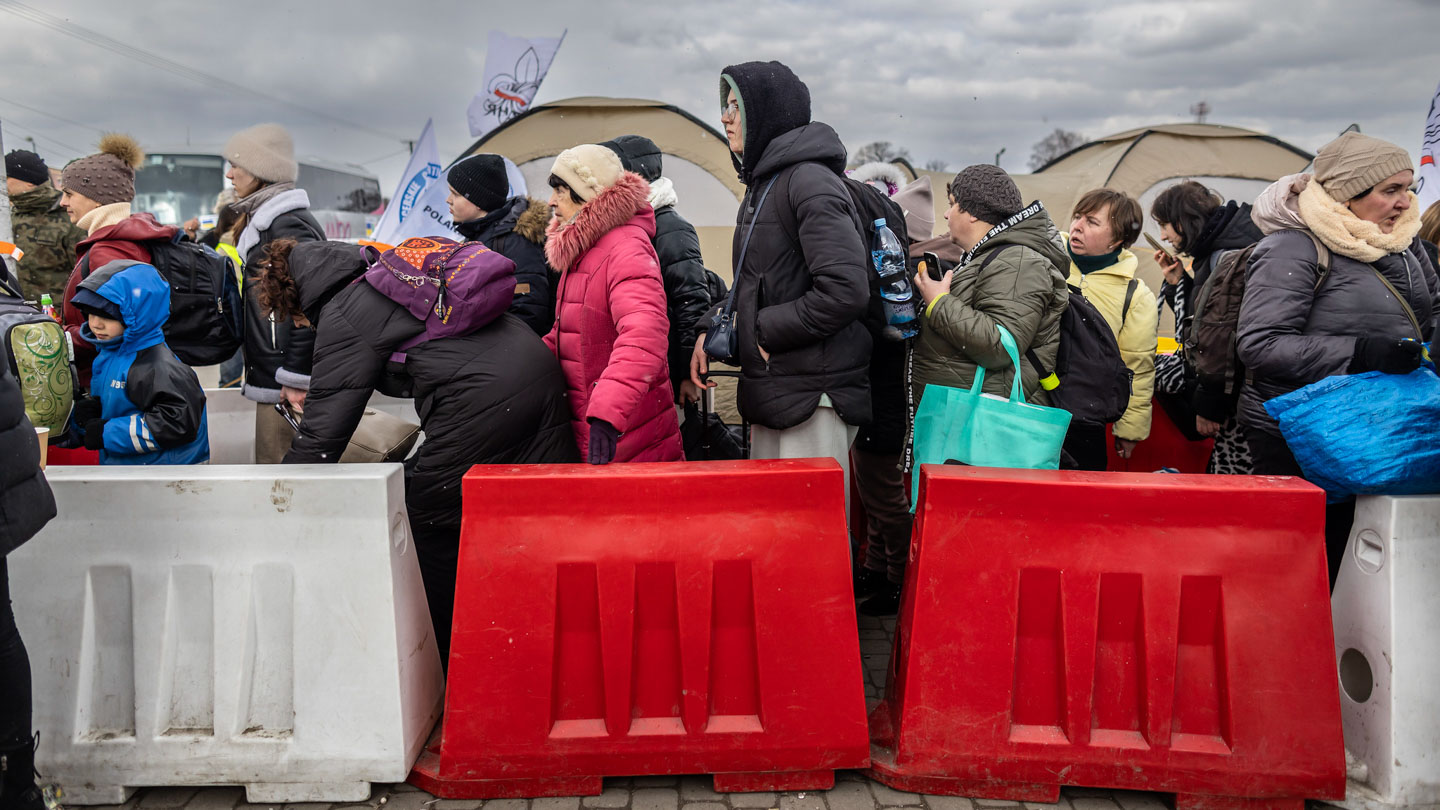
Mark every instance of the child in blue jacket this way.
pixel 145 406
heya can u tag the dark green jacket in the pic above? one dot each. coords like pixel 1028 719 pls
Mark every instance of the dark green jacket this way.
pixel 1022 288
pixel 44 231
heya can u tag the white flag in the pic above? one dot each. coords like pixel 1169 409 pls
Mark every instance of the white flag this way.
pixel 418 206
pixel 1429 175
pixel 514 68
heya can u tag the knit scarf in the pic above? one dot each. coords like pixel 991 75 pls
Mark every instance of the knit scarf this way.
pixel 1089 264
pixel 1351 236
pixel 249 205
pixel 104 217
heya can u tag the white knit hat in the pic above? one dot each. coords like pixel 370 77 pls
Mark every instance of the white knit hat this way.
pixel 266 151
pixel 588 169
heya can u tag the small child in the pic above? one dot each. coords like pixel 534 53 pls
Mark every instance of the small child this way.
pixel 145 406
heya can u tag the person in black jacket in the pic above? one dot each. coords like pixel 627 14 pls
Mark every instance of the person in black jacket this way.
pixel 277 353
pixel 514 227
pixel 487 389
pixel 682 269
pixel 26 505
pixel 802 288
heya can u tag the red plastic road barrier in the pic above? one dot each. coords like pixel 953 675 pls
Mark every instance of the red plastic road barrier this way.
pixel 79 456
pixel 640 619
pixel 1165 447
pixel 1153 632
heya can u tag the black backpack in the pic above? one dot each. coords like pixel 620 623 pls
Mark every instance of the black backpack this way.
pixel 206 323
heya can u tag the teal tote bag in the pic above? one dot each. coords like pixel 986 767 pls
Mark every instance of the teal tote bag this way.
pixel 983 430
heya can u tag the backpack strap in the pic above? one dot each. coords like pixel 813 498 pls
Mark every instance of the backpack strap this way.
pixel 1125 310
pixel 1322 260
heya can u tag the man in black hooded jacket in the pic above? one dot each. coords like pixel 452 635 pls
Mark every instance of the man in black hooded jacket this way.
pixel 802 287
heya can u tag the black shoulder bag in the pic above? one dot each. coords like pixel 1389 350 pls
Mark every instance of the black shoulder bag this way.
pixel 722 342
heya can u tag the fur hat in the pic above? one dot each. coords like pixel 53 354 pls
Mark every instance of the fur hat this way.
pixel 1353 163
pixel 27 166
pixel 986 192
pixel 917 200
pixel 482 180
pixel 107 176
pixel 266 151
pixel 886 177
pixel 638 154
pixel 588 169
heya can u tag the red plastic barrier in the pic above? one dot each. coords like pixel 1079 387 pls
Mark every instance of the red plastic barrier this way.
pixel 1165 447
pixel 643 619
pixel 1153 632
pixel 78 456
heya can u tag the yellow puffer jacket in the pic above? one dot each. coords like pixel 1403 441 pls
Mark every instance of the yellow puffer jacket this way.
pixel 1105 288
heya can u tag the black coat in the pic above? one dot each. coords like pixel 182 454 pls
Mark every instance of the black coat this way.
pixel 516 230
pixel 271 346
pixel 26 503
pixel 495 396
pixel 687 295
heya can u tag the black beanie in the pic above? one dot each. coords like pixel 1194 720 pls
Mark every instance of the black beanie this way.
pixel 482 180
pixel 987 193
pixel 26 166
pixel 638 154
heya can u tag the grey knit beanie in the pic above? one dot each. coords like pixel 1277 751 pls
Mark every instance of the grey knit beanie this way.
pixel 107 176
pixel 266 151
pixel 1354 163
pixel 986 192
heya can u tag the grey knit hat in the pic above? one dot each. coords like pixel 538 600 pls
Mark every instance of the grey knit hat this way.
pixel 107 176
pixel 1353 163
pixel 986 192
pixel 266 151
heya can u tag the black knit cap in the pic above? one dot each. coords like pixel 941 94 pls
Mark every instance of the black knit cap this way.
pixel 638 154
pixel 482 180
pixel 28 166
pixel 987 193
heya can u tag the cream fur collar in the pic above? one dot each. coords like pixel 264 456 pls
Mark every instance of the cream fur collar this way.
pixel 1351 236
pixel 104 217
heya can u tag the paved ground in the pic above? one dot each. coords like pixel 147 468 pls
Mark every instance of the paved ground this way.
pixel 852 790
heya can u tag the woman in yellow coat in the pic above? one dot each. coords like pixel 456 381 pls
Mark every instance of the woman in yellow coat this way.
pixel 1103 227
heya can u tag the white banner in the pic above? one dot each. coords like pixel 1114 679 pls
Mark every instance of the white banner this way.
pixel 418 207
pixel 1429 176
pixel 514 68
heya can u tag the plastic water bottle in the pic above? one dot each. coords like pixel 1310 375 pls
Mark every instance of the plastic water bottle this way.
pixel 47 306
pixel 888 256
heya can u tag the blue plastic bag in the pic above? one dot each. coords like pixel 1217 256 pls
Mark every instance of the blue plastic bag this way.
pixel 1371 433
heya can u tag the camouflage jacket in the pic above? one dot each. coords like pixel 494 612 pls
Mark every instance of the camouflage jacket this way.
pixel 43 230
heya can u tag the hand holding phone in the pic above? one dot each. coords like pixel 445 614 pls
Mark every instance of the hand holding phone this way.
pixel 932 266
pixel 1155 243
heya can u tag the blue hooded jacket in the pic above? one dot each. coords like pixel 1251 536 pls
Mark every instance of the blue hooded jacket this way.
pixel 152 404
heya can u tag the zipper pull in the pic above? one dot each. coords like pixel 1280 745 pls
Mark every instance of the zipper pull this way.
pixel 274 341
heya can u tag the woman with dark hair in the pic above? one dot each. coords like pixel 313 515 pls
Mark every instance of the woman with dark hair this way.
pixel 1198 223
pixel 427 319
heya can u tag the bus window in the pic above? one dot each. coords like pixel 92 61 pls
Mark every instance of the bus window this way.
pixel 176 187
pixel 339 191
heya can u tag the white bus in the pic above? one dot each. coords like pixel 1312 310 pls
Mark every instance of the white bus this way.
pixel 176 186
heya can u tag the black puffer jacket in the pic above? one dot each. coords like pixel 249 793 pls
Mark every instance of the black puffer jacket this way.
pixel 276 352
pixel 516 230
pixel 495 396
pixel 802 298
pixel 26 503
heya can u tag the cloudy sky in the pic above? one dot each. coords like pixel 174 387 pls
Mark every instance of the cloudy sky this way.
pixel 950 81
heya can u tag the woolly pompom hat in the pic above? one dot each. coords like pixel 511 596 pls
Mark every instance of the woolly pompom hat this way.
pixel 1353 163
pixel 109 175
pixel 266 151
pixel 588 169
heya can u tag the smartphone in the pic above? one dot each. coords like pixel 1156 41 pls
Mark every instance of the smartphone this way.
pixel 283 410
pixel 932 266
pixel 1155 243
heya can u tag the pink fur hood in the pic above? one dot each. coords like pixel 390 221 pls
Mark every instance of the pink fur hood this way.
pixel 610 209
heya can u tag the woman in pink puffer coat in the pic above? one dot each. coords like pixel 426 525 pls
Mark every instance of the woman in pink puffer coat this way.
pixel 611 331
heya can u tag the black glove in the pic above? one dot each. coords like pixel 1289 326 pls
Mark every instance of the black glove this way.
pixel 603 438
pixel 95 434
pixel 1385 354
pixel 86 408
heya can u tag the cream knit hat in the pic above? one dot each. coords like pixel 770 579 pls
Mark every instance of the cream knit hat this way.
pixel 266 151
pixel 1352 163
pixel 588 169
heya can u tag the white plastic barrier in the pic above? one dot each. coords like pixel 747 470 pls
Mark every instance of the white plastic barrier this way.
pixel 230 418
pixel 255 626
pixel 1386 609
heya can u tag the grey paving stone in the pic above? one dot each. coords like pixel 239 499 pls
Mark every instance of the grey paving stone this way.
pixel 752 799
pixel 216 799
pixel 948 803
pixel 875 646
pixel 611 797
pixel 459 804
pixel 873 632
pixel 996 803
pixel 850 795
pixel 698 789
pixel 1093 803
pixel 556 803
pixel 301 806
pixel 850 776
pixel 507 804
pixel 1081 792
pixel 1140 800
pixel 408 800
pixel 1061 804
pixel 802 800
pixel 166 797
pixel 655 799
pixel 401 787
pixel 703 806
pixel 890 797
pixel 656 781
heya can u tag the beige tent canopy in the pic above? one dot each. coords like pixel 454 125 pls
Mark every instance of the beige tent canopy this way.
pixel 697 158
